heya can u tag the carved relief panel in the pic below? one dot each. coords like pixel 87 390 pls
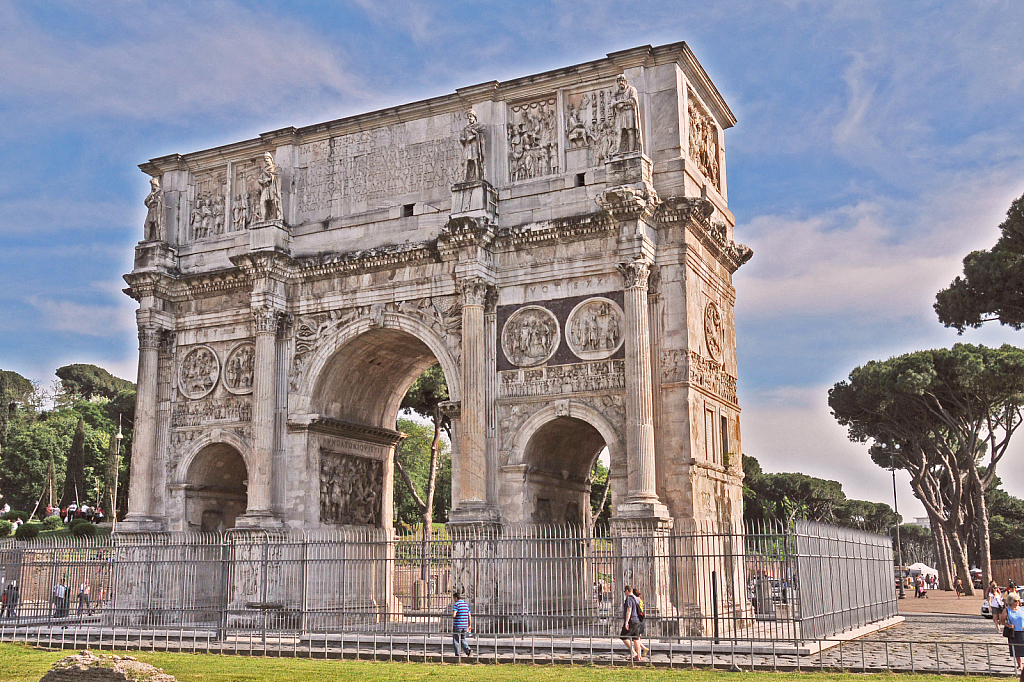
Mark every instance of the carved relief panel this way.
pixel 351 489
pixel 594 329
pixel 530 337
pixel 713 332
pixel 245 193
pixel 703 140
pixel 532 139
pixel 590 127
pixel 198 372
pixel 238 368
pixel 207 217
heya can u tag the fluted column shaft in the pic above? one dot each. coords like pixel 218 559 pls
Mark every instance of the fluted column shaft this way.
pixel 264 392
pixel 472 472
pixel 144 436
pixel 639 396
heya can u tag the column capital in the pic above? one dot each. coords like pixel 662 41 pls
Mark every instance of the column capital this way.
pixel 476 291
pixel 150 336
pixel 265 319
pixel 635 272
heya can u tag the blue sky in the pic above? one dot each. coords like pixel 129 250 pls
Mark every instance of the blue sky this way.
pixel 877 143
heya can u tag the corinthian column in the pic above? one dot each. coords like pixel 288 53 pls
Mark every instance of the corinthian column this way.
pixel 140 488
pixel 264 394
pixel 642 492
pixel 472 467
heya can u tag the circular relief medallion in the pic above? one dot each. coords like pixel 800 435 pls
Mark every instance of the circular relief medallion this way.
pixel 713 331
pixel 594 329
pixel 198 372
pixel 530 336
pixel 238 368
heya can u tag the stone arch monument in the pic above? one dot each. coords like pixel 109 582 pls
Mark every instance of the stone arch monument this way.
pixel 560 244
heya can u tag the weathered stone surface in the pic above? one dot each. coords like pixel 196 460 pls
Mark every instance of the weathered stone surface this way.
pixel 561 244
pixel 88 667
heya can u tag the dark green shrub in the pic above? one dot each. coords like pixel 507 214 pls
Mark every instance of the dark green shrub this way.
pixel 11 515
pixel 5 528
pixel 78 522
pixel 27 531
pixel 83 530
pixel 52 523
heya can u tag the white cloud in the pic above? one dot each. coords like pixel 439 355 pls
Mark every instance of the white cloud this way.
pixel 62 315
pixel 166 62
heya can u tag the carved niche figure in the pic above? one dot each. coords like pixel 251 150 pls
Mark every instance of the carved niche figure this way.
pixel 472 140
pixel 198 372
pixel 530 336
pixel 594 329
pixel 532 142
pixel 154 226
pixel 626 105
pixel 269 179
pixel 350 489
pixel 577 132
pixel 238 368
pixel 713 331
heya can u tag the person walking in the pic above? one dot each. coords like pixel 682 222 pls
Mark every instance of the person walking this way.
pixel 630 623
pixel 638 595
pixel 959 587
pixel 10 600
pixel 83 598
pixel 995 603
pixel 462 623
pixel 1014 618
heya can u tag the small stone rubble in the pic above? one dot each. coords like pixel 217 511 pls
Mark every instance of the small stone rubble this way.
pixel 86 666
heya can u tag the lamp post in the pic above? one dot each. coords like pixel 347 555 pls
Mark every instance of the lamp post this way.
pixel 899 548
pixel 117 471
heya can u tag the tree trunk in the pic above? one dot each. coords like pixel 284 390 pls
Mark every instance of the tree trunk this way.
pixel 984 537
pixel 942 559
pixel 428 506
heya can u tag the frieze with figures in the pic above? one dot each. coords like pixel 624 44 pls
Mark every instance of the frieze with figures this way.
pixel 239 368
pixel 351 489
pixel 207 217
pixel 703 140
pixel 211 410
pixel 590 124
pixel 680 366
pixel 530 336
pixel 532 139
pixel 604 375
pixel 594 329
pixel 198 372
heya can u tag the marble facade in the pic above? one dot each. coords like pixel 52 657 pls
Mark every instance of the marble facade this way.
pixel 561 244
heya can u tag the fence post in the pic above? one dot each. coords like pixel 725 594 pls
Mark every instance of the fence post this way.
pixel 714 602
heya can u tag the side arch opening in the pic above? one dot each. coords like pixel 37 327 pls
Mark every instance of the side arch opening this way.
pixel 215 491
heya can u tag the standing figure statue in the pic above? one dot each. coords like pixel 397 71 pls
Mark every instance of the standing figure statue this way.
pixel 472 141
pixel 154 226
pixel 626 107
pixel 269 181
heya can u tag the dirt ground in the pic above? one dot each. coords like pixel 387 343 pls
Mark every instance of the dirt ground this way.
pixel 939 601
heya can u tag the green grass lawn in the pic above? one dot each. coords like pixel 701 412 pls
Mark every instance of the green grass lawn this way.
pixel 24 664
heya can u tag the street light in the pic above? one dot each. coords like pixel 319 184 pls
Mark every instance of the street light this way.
pixel 117 470
pixel 895 508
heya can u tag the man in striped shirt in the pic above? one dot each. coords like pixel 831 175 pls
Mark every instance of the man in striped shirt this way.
pixel 462 623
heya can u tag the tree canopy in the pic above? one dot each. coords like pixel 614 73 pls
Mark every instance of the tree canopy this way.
pixel 940 414
pixel 992 286
pixel 88 382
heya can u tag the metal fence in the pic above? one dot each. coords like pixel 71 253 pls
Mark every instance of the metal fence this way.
pixel 764 584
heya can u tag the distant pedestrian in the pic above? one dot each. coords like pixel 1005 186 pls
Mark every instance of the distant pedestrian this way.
pixel 462 623
pixel 638 595
pixel 10 601
pixel 959 587
pixel 995 603
pixel 630 623
pixel 83 598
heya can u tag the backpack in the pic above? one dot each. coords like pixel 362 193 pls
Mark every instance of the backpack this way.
pixel 639 609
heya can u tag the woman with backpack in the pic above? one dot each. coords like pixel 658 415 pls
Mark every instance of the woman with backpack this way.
pixel 643 625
